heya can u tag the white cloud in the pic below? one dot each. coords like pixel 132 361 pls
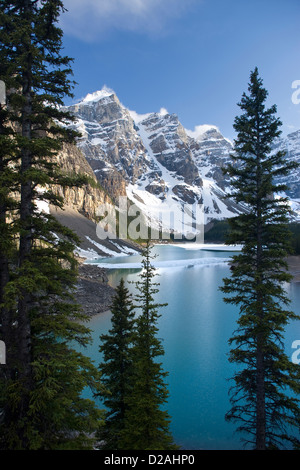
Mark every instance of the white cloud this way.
pixel 140 117
pixel 199 131
pixel 93 19
pixel 163 111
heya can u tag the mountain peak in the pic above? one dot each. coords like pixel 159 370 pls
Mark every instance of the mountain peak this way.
pixel 98 95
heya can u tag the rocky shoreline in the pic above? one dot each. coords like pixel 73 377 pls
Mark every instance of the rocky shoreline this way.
pixel 93 291
pixel 294 267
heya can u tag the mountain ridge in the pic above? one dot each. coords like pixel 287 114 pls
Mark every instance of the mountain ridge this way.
pixel 158 164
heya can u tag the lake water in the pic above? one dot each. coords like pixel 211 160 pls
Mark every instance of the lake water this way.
pixel 194 329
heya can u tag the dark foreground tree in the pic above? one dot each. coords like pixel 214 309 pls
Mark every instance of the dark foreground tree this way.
pixel 264 398
pixel 116 367
pixel 43 379
pixel 146 420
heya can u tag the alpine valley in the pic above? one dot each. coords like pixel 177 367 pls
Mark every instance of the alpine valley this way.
pixel 157 164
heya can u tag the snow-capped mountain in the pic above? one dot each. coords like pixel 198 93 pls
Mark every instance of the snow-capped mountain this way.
pixel 157 163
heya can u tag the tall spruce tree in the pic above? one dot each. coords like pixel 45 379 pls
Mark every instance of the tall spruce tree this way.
pixel 116 367
pixel 43 379
pixel 146 422
pixel 8 186
pixel 264 399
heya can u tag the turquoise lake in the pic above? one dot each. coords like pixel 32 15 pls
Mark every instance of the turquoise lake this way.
pixel 194 329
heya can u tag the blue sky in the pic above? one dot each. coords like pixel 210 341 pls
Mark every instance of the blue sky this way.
pixel 192 57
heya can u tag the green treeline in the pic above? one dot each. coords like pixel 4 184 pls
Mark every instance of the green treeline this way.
pixel 220 230
pixel 295 238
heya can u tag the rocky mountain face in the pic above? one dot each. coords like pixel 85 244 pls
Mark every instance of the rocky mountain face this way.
pixel 86 199
pixel 81 206
pixel 158 164
pixel 291 145
pixel 109 141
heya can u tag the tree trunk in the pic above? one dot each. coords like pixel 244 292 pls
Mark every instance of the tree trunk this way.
pixel 260 398
pixel 25 235
pixel 5 314
pixel 25 245
pixel 4 278
pixel 260 371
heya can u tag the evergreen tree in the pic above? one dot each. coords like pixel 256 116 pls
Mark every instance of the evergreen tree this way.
pixel 264 398
pixel 42 382
pixel 116 367
pixel 146 422
pixel 8 204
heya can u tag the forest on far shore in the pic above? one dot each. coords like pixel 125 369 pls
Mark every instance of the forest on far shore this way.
pixel 218 233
